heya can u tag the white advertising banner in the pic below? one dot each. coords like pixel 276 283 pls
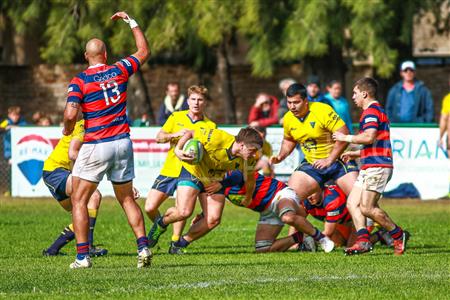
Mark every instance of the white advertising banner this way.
pixel 417 159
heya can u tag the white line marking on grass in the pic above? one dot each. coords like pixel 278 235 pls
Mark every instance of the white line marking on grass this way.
pixel 214 283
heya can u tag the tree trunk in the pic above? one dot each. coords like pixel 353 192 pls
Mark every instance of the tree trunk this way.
pixel 226 84
pixel 146 95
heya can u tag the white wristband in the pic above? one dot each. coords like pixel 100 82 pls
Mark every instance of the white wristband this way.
pixel 349 138
pixel 133 24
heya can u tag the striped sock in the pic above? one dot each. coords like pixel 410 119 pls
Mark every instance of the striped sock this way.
pixel 396 233
pixel 142 243
pixel 317 235
pixel 297 237
pixel 363 235
pixel 82 250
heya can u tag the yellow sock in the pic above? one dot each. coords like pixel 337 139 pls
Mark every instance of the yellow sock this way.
pixel 71 226
pixel 175 238
pixel 92 213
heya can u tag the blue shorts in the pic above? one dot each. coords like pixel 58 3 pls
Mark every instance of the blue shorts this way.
pixel 333 172
pixel 165 184
pixel 187 179
pixel 56 182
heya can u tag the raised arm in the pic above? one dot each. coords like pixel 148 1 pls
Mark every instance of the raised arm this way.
pixel 143 50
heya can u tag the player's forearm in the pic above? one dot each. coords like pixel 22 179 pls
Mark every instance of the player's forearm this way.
pixel 249 189
pixel 338 149
pixel 286 149
pixel 143 50
pixel 163 137
pixel 188 135
pixel 70 117
pixel 443 125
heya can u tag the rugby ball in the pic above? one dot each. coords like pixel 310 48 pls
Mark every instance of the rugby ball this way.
pixel 195 148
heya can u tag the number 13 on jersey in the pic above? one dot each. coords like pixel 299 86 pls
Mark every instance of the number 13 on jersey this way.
pixel 115 89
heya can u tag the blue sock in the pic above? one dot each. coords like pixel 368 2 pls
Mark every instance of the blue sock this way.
pixel 161 223
pixel 181 243
pixel 65 237
pixel 142 243
pixel 82 250
pixel 317 235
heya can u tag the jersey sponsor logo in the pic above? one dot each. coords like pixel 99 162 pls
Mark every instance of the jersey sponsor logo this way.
pixel 312 124
pixel 105 77
pixel 370 119
pixel 70 89
pixel 310 144
pixel 333 213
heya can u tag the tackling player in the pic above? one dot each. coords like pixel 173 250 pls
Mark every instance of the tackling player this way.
pixel 376 168
pixel 58 178
pixel 311 125
pixel 277 205
pixel 174 128
pixel 223 152
pixel 100 92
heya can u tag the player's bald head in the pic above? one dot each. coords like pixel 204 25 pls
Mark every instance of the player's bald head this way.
pixel 95 48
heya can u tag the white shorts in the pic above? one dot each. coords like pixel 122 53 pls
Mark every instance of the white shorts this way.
pixel 374 179
pixel 271 215
pixel 114 158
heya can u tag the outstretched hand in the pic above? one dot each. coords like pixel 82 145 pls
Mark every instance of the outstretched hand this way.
pixel 120 15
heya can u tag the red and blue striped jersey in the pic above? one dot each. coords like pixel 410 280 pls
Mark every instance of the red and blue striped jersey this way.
pixel 101 91
pixel 265 190
pixel 378 154
pixel 333 208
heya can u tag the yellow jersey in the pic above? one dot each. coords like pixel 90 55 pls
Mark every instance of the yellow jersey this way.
pixel 217 158
pixel 446 105
pixel 59 158
pixel 177 121
pixel 313 132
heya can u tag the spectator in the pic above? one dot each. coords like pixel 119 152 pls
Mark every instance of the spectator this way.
pixel 264 112
pixel 44 121
pixel 174 101
pixel 144 121
pixel 14 119
pixel 36 117
pixel 409 100
pixel 283 86
pixel 339 103
pixel 313 90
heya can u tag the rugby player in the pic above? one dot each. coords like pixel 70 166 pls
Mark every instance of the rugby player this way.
pixel 311 124
pixel 58 178
pixel 277 205
pixel 100 92
pixel 223 152
pixel 376 169
pixel 174 128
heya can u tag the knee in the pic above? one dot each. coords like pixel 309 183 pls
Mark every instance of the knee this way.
pixel 185 213
pixel 150 206
pixel 263 246
pixel 366 210
pixel 288 218
pixel 213 222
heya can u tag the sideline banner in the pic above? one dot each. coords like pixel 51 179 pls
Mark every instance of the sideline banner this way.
pixel 417 159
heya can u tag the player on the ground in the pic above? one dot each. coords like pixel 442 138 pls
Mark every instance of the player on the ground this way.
pixel 376 168
pixel 58 178
pixel 100 92
pixel 311 124
pixel 174 128
pixel 223 152
pixel 277 205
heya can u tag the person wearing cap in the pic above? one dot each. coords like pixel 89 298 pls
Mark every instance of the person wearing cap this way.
pixel 409 100
pixel 313 90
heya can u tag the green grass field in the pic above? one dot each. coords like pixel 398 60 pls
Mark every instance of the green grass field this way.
pixel 222 264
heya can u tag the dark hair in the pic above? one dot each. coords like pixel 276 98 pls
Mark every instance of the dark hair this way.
pixel 249 136
pixel 296 89
pixel 261 129
pixel 369 85
pixel 333 82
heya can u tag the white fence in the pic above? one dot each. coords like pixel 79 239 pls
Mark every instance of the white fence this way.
pixel 417 159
